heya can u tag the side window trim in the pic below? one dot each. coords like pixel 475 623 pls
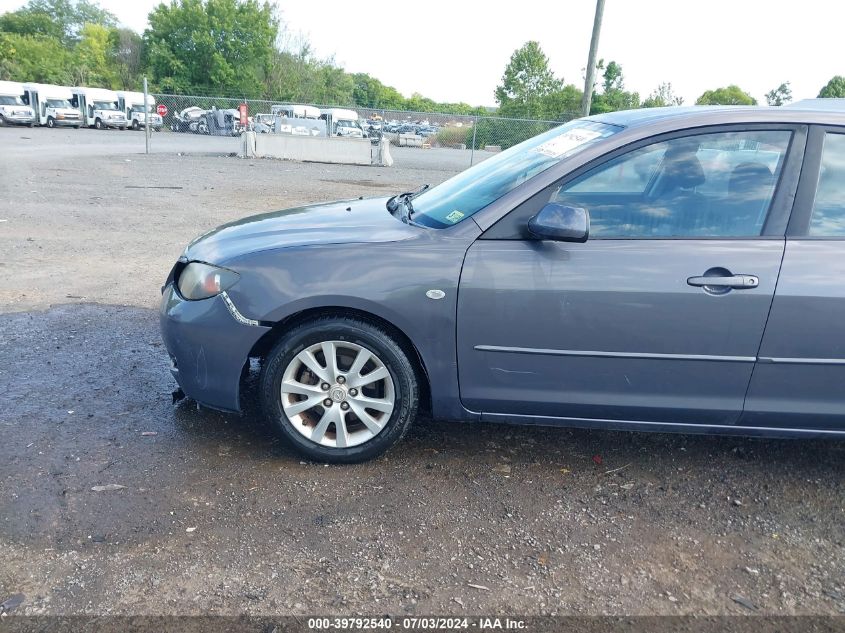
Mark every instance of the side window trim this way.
pixel 783 197
pixel 805 197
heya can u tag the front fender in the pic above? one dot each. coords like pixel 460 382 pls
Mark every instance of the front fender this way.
pixel 391 281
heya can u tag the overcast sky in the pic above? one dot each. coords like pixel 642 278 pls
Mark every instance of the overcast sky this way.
pixel 457 51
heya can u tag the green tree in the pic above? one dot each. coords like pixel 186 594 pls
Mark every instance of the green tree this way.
pixel 126 52
pixel 33 58
pixel 730 95
pixel 780 95
pixel 613 96
pixel 835 88
pixel 563 104
pixel 63 19
pixel 369 92
pixel 29 23
pixel 222 46
pixel 92 65
pixel 662 96
pixel 526 82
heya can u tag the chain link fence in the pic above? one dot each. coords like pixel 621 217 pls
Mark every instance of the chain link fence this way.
pixel 197 114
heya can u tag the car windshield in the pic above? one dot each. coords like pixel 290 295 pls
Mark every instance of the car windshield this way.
pixel 58 103
pixel 470 191
pixel 105 105
pixel 9 100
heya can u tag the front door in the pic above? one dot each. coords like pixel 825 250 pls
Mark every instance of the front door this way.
pixel 658 317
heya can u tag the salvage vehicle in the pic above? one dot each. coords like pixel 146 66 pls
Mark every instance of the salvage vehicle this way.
pixel 13 111
pixel 296 111
pixel 51 105
pixel 132 105
pixel 342 122
pixel 220 122
pixel 98 108
pixel 665 269
pixel 187 120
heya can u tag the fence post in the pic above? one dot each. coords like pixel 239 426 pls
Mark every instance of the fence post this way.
pixel 146 119
pixel 474 129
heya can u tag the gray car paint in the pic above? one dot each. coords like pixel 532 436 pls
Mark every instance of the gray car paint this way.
pixel 610 328
pixel 366 260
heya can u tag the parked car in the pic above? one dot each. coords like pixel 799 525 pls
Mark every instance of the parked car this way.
pixel 667 269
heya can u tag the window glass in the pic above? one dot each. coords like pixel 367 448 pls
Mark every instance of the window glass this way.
pixel 708 185
pixel 470 191
pixel 828 217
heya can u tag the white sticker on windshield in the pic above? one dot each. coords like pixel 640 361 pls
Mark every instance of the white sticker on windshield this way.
pixel 454 216
pixel 566 142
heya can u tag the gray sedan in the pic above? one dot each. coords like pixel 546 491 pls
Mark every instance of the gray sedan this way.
pixel 671 269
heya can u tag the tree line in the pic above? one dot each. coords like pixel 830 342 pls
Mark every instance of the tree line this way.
pixel 529 89
pixel 241 48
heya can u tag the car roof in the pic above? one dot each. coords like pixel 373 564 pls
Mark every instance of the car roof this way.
pixel 808 111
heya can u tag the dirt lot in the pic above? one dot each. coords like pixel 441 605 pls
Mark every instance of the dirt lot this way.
pixel 217 516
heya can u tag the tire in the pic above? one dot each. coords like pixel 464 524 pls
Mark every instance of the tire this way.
pixel 30 125
pixel 135 125
pixel 75 127
pixel 98 124
pixel 350 337
pixel 202 127
pixel 51 122
pixel 2 121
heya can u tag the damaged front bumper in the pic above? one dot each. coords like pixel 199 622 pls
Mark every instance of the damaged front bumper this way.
pixel 209 343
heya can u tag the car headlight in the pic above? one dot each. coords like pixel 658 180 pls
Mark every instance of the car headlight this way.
pixel 201 281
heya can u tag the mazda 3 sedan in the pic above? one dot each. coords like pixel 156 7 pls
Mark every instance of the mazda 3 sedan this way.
pixel 671 269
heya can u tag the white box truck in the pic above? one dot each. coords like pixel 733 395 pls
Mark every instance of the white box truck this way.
pixel 98 108
pixel 13 111
pixel 51 105
pixel 342 122
pixel 132 106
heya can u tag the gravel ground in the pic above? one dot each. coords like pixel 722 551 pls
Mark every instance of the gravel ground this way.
pixel 215 515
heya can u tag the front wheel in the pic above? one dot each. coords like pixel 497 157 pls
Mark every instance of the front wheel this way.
pixel 98 124
pixel 51 122
pixel 340 390
pixel 135 125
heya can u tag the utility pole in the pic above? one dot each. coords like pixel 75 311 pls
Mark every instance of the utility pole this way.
pixel 146 118
pixel 591 62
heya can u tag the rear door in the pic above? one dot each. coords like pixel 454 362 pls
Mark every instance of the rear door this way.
pixel 799 380
pixel 658 317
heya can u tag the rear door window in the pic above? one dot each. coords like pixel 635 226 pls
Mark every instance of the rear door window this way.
pixel 828 217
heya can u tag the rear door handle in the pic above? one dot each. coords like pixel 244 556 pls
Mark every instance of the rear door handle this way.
pixel 738 282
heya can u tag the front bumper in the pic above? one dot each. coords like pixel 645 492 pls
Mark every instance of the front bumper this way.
pixel 115 123
pixel 19 119
pixel 67 122
pixel 208 347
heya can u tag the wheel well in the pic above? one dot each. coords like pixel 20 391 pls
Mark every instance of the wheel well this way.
pixel 266 343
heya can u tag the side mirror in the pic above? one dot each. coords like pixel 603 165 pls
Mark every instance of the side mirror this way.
pixel 561 222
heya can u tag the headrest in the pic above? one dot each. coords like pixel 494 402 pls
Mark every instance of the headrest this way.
pixel 749 177
pixel 683 170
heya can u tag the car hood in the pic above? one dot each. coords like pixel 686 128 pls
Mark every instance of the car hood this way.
pixel 344 222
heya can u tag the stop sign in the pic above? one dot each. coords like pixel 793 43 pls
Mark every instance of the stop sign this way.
pixel 162 109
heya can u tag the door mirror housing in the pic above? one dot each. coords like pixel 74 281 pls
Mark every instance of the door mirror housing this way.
pixel 561 222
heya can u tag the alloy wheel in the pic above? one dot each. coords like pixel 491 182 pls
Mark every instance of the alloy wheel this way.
pixel 337 394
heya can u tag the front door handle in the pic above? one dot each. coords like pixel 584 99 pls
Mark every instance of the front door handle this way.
pixel 738 282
